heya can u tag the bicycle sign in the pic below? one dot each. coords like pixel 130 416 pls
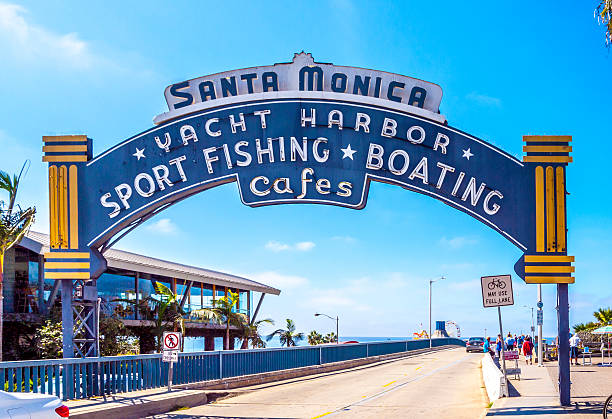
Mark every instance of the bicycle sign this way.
pixel 172 341
pixel 497 291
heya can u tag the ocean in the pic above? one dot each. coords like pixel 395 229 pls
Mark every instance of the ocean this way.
pixel 196 344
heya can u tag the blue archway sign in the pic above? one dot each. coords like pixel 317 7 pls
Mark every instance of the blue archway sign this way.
pixel 305 132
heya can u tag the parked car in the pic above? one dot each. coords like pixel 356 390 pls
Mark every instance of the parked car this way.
pixel 31 405
pixel 474 344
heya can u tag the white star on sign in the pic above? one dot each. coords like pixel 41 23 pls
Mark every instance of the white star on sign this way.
pixel 348 152
pixel 467 154
pixel 139 153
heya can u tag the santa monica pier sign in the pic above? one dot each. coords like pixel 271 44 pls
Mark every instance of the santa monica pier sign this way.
pixel 304 132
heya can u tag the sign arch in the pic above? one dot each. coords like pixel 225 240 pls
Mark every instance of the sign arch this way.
pixel 302 132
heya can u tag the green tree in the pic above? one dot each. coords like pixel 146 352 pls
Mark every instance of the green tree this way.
pixel 288 337
pixel 584 327
pixel 14 224
pixel 603 12
pixel 330 338
pixel 603 316
pixel 249 333
pixel 222 312
pixel 115 338
pixel 314 338
pixel 48 339
pixel 165 311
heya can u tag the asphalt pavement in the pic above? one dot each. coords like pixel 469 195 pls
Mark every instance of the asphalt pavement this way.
pixel 439 384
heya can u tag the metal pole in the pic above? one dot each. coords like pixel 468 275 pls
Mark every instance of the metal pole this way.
pixel 170 376
pixel 430 282
pixel 501 332
pixel 540 342
pixel 337 335
pixel 563 330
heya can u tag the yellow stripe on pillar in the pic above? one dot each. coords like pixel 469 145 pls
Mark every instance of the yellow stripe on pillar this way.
pixel 74 208
pixel 539 190
pixel 63 210
pixel 558 269
pixel 53 224
pixel 560 188
pixel 550 210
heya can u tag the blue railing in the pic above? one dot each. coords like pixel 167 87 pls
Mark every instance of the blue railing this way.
pixel 80 378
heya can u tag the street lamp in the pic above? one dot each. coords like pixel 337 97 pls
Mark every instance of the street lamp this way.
pixel 336 319
pixel 431 281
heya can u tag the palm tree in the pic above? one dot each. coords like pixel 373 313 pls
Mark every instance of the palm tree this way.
pixel 288 337
pixel 250 333
pixel 222 313
pixel 14 224
pixel 582 327
pixel 165 311
pixel 603 316
pixel 314 338
pixel 603 12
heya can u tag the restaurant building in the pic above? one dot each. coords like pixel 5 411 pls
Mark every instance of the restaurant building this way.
pixel 29 297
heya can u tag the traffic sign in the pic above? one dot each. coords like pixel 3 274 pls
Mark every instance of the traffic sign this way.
pixel 540 317
pixel 511 355
pixel 172 341
pixel 170 356
pixel 540 304
pixel 497 291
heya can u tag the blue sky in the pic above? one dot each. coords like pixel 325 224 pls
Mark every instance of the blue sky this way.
pixel 100 69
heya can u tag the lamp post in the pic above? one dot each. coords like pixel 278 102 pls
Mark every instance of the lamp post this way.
pixel 431 281
pixel 336 319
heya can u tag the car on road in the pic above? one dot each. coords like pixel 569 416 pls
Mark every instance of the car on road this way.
pixel 31 405
pixel 474 344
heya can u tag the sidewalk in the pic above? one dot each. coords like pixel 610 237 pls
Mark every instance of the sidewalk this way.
pixel 536 394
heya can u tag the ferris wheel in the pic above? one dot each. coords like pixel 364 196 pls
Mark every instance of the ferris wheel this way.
pixel 457 330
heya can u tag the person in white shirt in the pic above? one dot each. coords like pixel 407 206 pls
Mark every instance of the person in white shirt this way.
pixel 574 342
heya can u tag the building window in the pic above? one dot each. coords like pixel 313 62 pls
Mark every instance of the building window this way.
pixel 118 294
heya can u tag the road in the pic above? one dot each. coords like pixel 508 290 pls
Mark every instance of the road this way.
pixel 444 384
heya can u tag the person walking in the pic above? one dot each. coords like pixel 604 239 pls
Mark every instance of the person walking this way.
pixel 574 343
pixel 520 341
pixel 498 345
pixel 509 342
pixel 528 350
pixel 486 346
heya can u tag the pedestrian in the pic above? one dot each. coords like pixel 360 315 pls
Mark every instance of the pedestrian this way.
pixel 521 340
pixel 498 345
pixel 528 350
pixel 574 342
pixel 509 342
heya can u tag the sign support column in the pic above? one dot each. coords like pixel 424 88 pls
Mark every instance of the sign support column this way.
pixel 503 357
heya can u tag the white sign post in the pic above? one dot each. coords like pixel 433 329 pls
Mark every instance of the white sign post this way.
pixel 497 292
pixel 171 342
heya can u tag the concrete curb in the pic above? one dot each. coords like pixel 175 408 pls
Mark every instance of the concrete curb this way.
pixel 492 377
pixel 158 401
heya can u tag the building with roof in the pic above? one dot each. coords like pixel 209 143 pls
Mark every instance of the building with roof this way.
pixel 29 297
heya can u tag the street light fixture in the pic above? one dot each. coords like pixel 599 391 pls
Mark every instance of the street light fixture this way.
pixel 431 281
pixel 336 319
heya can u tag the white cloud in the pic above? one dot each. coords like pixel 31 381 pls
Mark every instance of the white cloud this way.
pixel 345 239
pixel 278 280
pixel 276 246
pixel 163 226
pixel 29 42
pixel 457 242
pixel 304 246
pixel 484 99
